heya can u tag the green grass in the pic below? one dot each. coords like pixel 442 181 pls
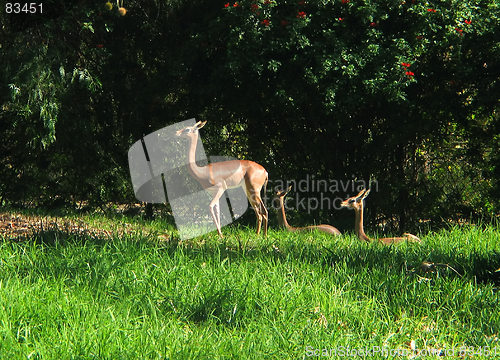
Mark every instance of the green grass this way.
pixel 244 297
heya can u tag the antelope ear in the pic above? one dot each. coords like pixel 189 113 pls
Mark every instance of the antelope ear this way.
pixel 289 188
pixel 366 193
pixel 360 197
pixel 360 193
pixel 200 124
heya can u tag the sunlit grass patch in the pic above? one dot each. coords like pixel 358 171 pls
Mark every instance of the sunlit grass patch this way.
pixel 135 295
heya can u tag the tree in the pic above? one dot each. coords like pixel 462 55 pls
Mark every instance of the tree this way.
pixel 381 87
pixel 398 91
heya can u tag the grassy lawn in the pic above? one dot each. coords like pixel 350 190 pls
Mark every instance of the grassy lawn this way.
pixel 288 296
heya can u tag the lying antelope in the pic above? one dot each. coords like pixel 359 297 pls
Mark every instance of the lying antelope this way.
pixel 356 203
pixel 280 194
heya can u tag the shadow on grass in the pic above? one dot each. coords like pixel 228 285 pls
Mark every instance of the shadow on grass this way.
pixel 226 303
pixel 423 259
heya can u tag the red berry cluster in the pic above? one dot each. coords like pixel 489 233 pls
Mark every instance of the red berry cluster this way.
pixel 410 74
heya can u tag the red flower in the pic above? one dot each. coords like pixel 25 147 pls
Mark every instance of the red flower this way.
pixel 431 10
pixel 236 4
pixel 373 24
pixel 468 22
pixel 405 65
pixel 345 1
pixel 341 19
pixel 265 22
pixel 301 14
pixel 460 31
pixel 410 73
pixel 226 5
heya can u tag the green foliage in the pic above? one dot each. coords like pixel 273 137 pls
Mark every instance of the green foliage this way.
pixel 370 89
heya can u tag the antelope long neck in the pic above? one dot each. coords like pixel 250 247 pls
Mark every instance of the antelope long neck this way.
pixel 198 172
pixel 358 225
pixel 281 215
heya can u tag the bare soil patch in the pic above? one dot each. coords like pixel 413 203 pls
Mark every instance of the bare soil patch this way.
pixel 21 226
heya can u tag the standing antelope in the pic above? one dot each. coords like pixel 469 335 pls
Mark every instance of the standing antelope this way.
pixel 218 177
pixel 356 203
pixel 283 223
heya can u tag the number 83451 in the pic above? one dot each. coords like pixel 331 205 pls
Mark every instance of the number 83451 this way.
pixel 17 8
